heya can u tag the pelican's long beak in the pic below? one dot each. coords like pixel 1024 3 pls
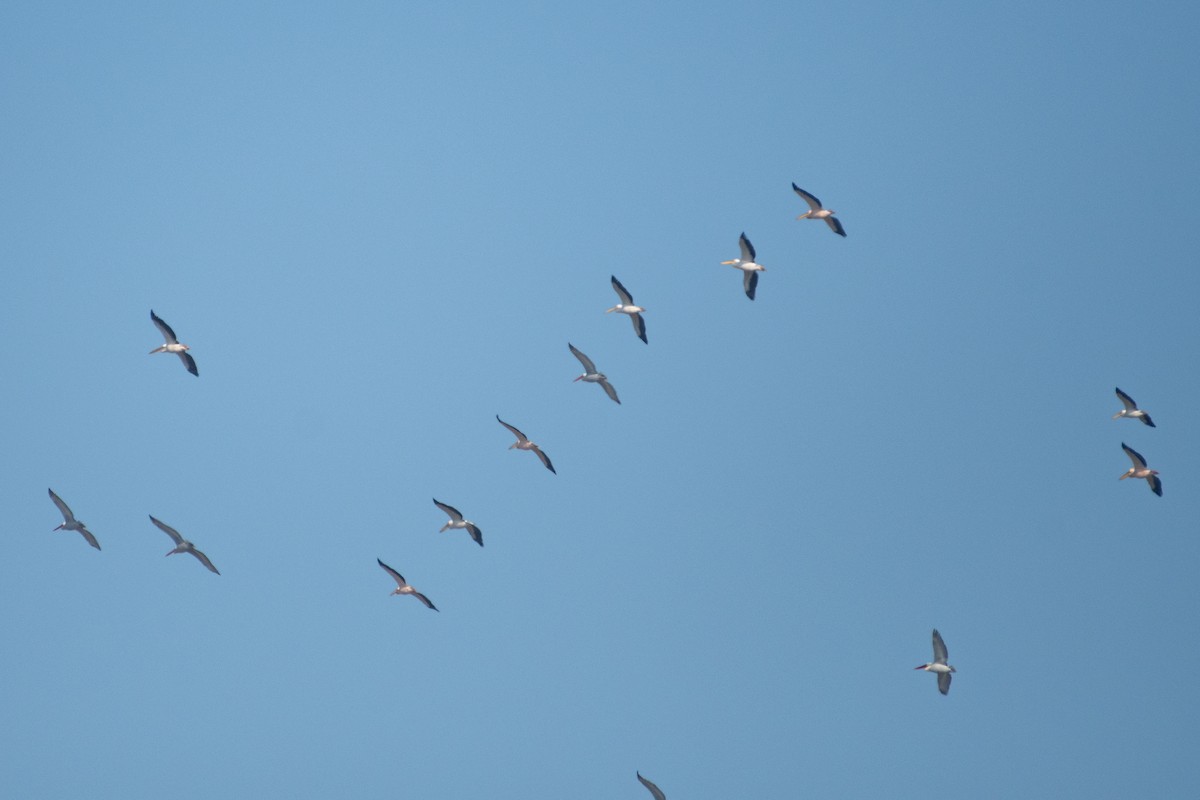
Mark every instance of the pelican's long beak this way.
pixel 727 262
pixel 1123 477
pixel 614 308
pixel 923 666
pixel 576 379
pixel 60 527
pixel 1119 413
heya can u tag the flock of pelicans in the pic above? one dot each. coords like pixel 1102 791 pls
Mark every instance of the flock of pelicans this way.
pixel 940 665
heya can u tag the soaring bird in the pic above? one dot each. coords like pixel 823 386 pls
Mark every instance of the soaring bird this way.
pixel 69 521
pixel 1139 470
pixel 590 375
pixel 939 665
pixel 1131 410
pixel 182 545
pixel 523 443
pixel 747 265
pixel 456 521
pixel 654 790
pixel 626 306
pixel 173 345
pixel 402 586
pixel 817 211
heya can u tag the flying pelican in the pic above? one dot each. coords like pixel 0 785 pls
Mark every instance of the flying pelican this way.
pixel 747 265
pixel 1131 409
pixel 456 521
pixel 1139 470
pixel 816 211
pixel 182 545
pixel 626 306
pixel 402 586
pixel 939 665
pixel 69 521
pixel 172 345
pixel 591 376
pixel 654 790
pixel 523 443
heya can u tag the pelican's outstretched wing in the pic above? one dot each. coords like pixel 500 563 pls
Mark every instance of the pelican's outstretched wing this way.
pixel 545 459
pixel 163 328
pixel 450 510
pixel 750 283
pixel 812 201
pixel 520 436
pixel 639 326
pixel 396 576
pixel 654 790
pixel 62 507
pixel 168 530
pixel 940 654
pixel 1134 456
pixel 203 559
pixel 189 363
pixel 424 599
pixel 588 366
pixel 746 247
pixel 622 293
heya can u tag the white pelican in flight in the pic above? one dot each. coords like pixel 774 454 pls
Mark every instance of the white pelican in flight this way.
pixel 626 306
pixel 1139 470
pixel 817 211
pixel 69 521
pixel 747 265
pixel 456 521
pixel 1131 409
pixel 590 375
pixel 182 545
pixel 173 345
pixel 402 586
pixel 523 443
pixel 654 790
pixel 939 665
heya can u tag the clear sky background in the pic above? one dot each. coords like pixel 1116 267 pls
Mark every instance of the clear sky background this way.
pixel 379 224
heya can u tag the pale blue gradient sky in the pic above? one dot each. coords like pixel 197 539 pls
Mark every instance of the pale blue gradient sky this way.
pixel 379 226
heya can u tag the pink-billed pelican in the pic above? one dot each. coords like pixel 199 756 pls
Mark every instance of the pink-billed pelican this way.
pixel 1139 470
pixel 654 790
pixel 523 443
pixel 456 521
pixel 1131 409
pixel 590 375
pixel 626 306
pixel 749 268
pixel 402 586
pixel 182 545
pixel 173 345
pixel 817 211
pixel 70 523
pixel 939 664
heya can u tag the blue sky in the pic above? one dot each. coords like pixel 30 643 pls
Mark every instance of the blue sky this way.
pixel 379 226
